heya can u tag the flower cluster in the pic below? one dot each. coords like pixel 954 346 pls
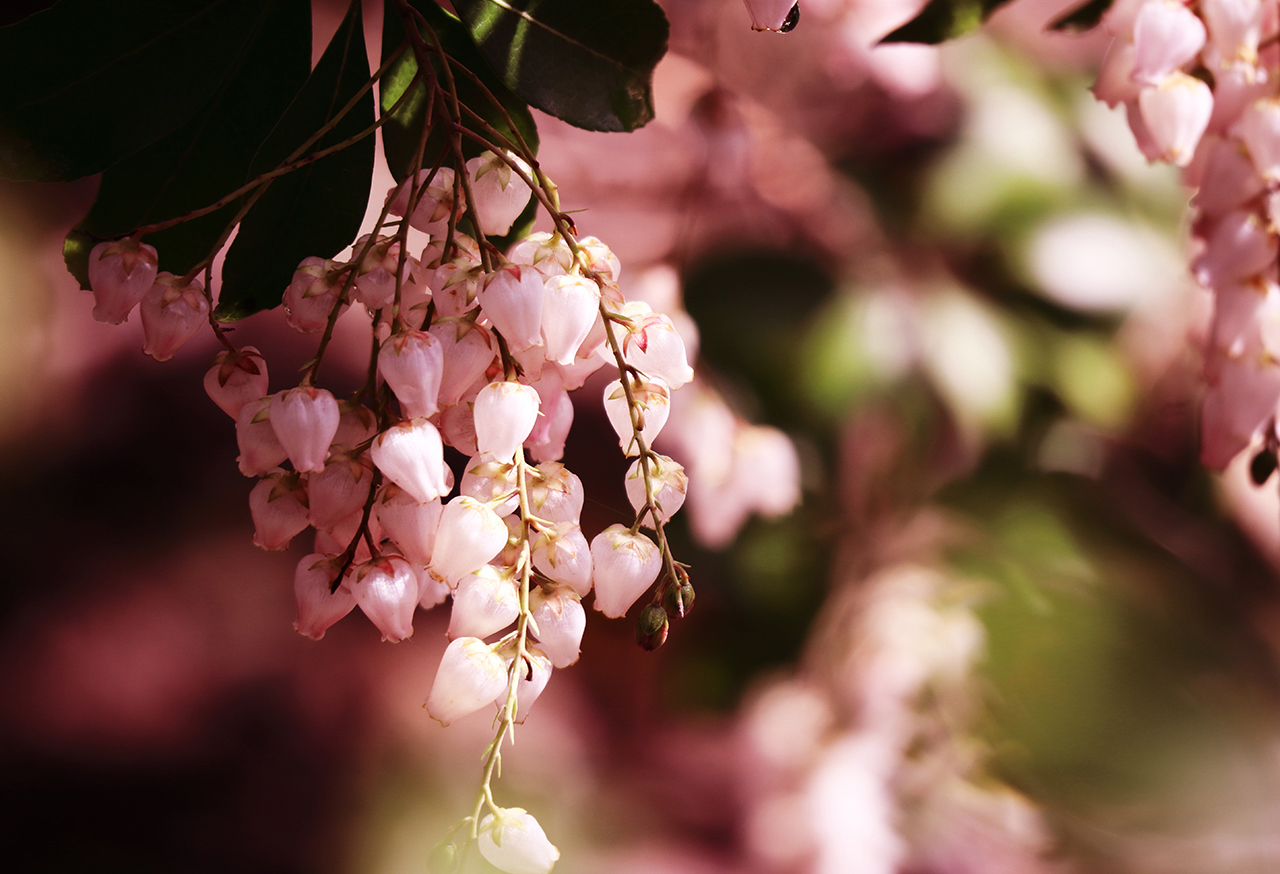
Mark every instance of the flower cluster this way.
pixel 477 351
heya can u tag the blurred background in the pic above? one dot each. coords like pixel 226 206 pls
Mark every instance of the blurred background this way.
pixel 967 602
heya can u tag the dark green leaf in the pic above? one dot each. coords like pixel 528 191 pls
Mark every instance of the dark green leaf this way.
pixel 588 62
pixel 315 210
pixel 210 155
pixel 942 20
pixel 122 75
pixel 1082 18
pixel 400 135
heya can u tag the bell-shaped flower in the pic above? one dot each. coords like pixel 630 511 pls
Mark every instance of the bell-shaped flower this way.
pixel 387 591
pixel 411 455
pixel 458 427
pixel 260 449
pixel 340 489
pixel 409 523
pixel 435 200
pixel 1115 84
pixel 653 402
pixel 570 307
pixel 1259 128
pixel 669 483
pixel 1239 246
pixel 533 679
pixel 556 493
pixel 512 299
pixel 1237 405
pixel 505 413
pixel 412 363
pixel 600 258
pixel 1166 35
pixel 305 419
pixel 500 194
pixel 356 425
pixel 561 554
pixel 1234 27
pixel 235 379
pixel 467 350
pixel 513 842
pixel 312 294
pixel 1229 180
pixel 625 565
pixel 769 465
pixel 558 623
pixel 121 272
pixel 431 592
pixel 652 345
pixel 470 676
pixel 546 441
pixel 769 14
pixel 375 284
pixel 491 481
pixel 469 535
pixel 278 505
pixel 484 602
pixel 171 315
pixel 544 252
pixel 455 286
pixel 1176 113
pixel 318 608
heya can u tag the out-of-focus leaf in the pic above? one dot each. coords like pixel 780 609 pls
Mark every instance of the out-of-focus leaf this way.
pixel 400 134
pixel 588 62
pixel 207 157
pixel 315 210
pixel 1082 18
pixel 122 76
pixel 942 20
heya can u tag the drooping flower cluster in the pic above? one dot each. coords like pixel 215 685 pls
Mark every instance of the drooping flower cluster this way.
pixel 1199 84
pixel 477 351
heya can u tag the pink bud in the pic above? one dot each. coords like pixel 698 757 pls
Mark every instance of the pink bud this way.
pixel 410 525
pixel 654 403
pixel 533 679
pixel 311 296
pixel 491 481
pixel 455 285
pixel 1259 128
pixel 387 591
pixel 171 316
pixel 1115 84
pixel 669 487
pixel 340 489
pixel 1229 180
pixel 1238 247
pixel 120 273
pixel 1176 113
pixel 652 345
pixel 1234 27
pixel 625 566
pixel 512 300
pixel 560 622
pixel 769 14
pixel 563 556
pixel 317 608
pixel 1166 35
pixel 305 419
pixel 260 448
pixel 601 259
pixel 411 455
pixel 469 535
pixel 504 415
pixel 500 195
pixel 375 284
pixel 435 202
pixel 278 505
pixel 546 253
pixel 484 602
pixel 570 307
pixel 235 379
pixel 514 842
pixel 546 441
pixel 467 351
pixel 556 494
pixel 412 363
pixel 470 676
pixel 356 424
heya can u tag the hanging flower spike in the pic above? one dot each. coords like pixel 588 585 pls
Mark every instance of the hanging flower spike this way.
pixel 500 195
pixel 505 413
pixel 171 315
pixel 121 272
pixel 411 455
pixel 305 419
pixel 470 676
pixel 512 841
pixel 624 566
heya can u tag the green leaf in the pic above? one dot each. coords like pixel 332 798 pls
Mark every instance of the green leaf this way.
pixel 588 62
pixel 315 210
pixel 400 134
pixel 88 82
pixel 1083 17
pixel 207 157
pixel 942 20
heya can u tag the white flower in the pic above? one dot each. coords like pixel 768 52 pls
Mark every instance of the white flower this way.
pixel 514 842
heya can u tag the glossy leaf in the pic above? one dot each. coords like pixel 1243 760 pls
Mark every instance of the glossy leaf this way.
pixel 123 75
pixel 315 210
pixel 588 62
pixel 1082 18
pixel 400 135
pixel 941 20
pixel 208 156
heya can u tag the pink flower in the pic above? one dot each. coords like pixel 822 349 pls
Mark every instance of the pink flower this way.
pixel 387 591
pixel 470 676
pixel 235 379
pixel 305 419
pixel 318 609
pixel 171 315
pixel 120 273
pixel 1176 113
pixel 625 566
pixel 411 455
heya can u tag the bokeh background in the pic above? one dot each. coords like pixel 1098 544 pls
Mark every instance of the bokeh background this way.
pixel 981 611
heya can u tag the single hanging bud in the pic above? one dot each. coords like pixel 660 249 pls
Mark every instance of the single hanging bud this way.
pixel 654 402
pixel 556 494
pixel 278 505
pixel 260 448
pixel 171 315
pixel 570 307
pixel 411 455
pixel 547 253
pixel 235 379
pixel 484 602
pixel 121 272
pixel 455 286
pixel 505 413
pixel 435 201
pixel 533 679
pixel 500 195
pixel 489 481
pixel 356 424
pixel 467 350
pixel 1176 113
pixel 669 487
pixel 1234 28
pixel 512 300
pixel 312 294
pixel 411 525
pixel 514 842
pixel 1166 35
pixel 652 345
pixel 469 535
pixel 601 259
pixel 470 676
pixel 563 556
pixel 560 621
pixel 779 16
pixel 624 567
pixel 318 609
pixel 340 489
pixel 305 419
pixel 651 627
pixel 412 363
pixel 387 591
pixel 375 284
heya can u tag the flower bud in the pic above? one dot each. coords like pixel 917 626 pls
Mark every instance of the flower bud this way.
pixel 410 524
pixel 411 455
pixel 305 419
pixel 678 598
pixel 171 315
pixel 556 494
pixel 387 591
pixel 654 402
pixel 514 842
pixel 512 300
pixel 260 448
pixel 340 490
pixel 318 608
pixel 533 679
pixel 311 295
pixel 1166 35
pixel 1176 113
pixel 500 195
pixel 278 505
pixel 560 622
pixel 651 627
pixel 505 413
pixel 562 555
pixel 470 534
pixel 624 567
pixel 467 350
pixel 470 676
pixel 570 307
pixel 235 379
pixel 484 602
pixel 120 273
pixel 669 487
pixel 412 363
